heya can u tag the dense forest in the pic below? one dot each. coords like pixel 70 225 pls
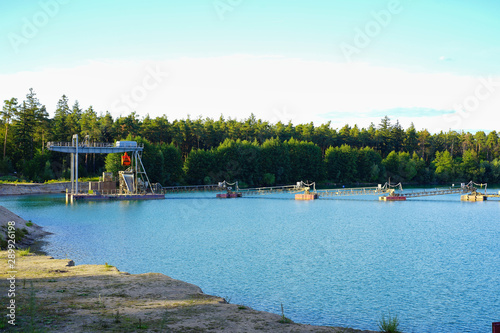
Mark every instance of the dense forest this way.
pixel 252 151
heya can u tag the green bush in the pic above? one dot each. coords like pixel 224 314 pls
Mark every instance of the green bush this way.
pixel 9 179
pixel 389 325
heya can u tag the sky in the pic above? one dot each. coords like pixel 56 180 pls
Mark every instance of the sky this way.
pixel 431 63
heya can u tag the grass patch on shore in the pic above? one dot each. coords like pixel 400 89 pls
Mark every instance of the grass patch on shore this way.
pixel 389 325
pixel 17 181
pixel 19 234
pixel 284 320
pixel 24 252
pixel 64 180
pixel 12 179
pixel 108 266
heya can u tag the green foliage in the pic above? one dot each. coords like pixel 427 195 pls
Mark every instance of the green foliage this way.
pixel 242 161
pixel 250 150
pixel 341 164
pixel 495 170
pixel 173 173
pixel 152 158
pixel 284 320
pixel 9 179
pixel 5 166
pixel 62 130
pixel 444 166
pixel 470 165
pixel 198 165
pixel 24 252
pixel 19 234
pixel 32 310
pixel 346 164
pixel 237 161
pixel 389 325
pixel 47 172
pixel 141 326
pixel 3 243
pixel 400 167
pixel 269 179
pixel 391 163
pixel 113 164
pixel 275 160
pixel 305 161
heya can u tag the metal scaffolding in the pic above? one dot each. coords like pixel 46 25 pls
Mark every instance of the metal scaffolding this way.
pixel 75 148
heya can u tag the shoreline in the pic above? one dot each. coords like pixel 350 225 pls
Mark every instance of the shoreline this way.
pixel 55 295
pixel 82 298
pixel 10 189
pixel 17 231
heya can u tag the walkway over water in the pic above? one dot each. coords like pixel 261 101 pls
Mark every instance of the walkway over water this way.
pixel 386 191
pixel 189 188
pixel 92 148
pixel 353 191
pixel 425 193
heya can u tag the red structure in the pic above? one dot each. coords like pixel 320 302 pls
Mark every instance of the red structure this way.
pixel 126 161
pixel 495 327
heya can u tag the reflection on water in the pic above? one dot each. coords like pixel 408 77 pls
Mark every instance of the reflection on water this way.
pixel 433 261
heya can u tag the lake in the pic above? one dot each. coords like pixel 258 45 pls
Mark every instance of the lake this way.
pixel 432 261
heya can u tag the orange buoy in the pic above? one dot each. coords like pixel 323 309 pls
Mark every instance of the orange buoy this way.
pixel 126 161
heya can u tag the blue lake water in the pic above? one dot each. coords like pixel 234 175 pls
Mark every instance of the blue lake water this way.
pixel 435 262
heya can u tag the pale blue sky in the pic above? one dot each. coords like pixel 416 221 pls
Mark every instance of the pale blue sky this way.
pixel 457 39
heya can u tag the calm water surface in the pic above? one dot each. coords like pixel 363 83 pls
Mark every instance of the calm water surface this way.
pixel 435 262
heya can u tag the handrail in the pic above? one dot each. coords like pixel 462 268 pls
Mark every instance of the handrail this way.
pixel 89 145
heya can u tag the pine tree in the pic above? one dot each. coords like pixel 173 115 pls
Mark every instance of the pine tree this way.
pixel 27 117
pixel 61 128
pixel 8 112
pixel 411 140
pixel 24 129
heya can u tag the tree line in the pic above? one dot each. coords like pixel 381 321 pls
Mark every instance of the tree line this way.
pixel 252 151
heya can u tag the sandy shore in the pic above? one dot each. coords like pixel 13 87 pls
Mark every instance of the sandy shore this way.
pixel 54 295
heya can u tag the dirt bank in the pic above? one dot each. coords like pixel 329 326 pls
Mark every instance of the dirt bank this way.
pixel 56 296
pixel 24 189
pixel 24 232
